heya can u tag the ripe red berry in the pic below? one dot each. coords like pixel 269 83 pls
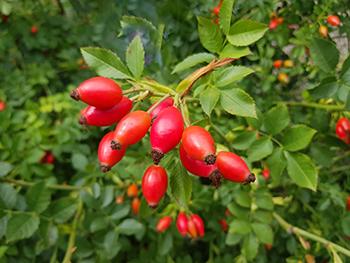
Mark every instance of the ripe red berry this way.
pixel 233 168
pixel 106 156
pixel 200 168
pixel 198 144
pixel 277 63
pixel 199 224
pixel 131 129
pixel 34 30
pixel 348 203
pixel 96 117
pixel 163 224
pixel 135 205
pixel 154 184
pixel 161 106
pixel 48 158
pixel 2 105
pixel 166 132
pixel 132 190
pixel 182 223
pixel 273 24
pixel 216 10
pixel 342 130
pixel 333 20
pixel 100 92
pixel 191 228
pixel 223 224
pixel 266 173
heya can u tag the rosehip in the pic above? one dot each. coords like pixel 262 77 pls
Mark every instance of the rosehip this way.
pixel 277 63
pixel 198 144
pixel 34 30
pixel 106 156
pixel 132 190
pixel 166 132
pixel 333 20
pixel 131 129
pixel 119 199
pixel 100 92
pixel 2 105
pixel 268 246
pixel 154 184
pixel 348 203
pixel 96 117
pixel 199 224
pixel 191 228
pixel 273 24
pixel 223 224
pixel 216 9
pixel 135 205
pixel 163 224
pixel 182 223
pixel 266 173
pixel 283 78
pixel 48 158
pixel 323 30
pixel 200 168
pixel 279 20
pixel 161 106
pixel 4 18
pixel 342 130
pixel 288 63
pixel 233 168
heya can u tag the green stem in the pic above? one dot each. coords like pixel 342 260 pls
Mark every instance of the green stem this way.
pixel 272 138
pixel 341 168
pixel 184 112
pixel 316 105
pixel 300 232
pixel 132 90
pixel 52 186
pixel 155 105
pixel 71 242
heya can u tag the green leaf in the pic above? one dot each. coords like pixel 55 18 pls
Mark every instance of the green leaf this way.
pixel 232 239
pixel 79 161
pixel 238 102
pixel 130 227
pixel 326 89
pixel 230 51
pixel 244 140
pixel 225 15
pixel 263 232
pixel 135 57
pixel 8 196
pixel 38 197
pixel 245 32
pixel 5 168
pixel 105 62
pixel 99 223
pixel 324 54
pixel 62 209
pixel 243 199
pixel 276 163
pixel 192 61
pixel 180 185
pixel 297 137
pixel 119 212
pixel 208 99
pixel 345 72
pixel 302 170
pixel 165 244
pixel 240 227
pixel 260 149
pixel 250 247
pixel 264 200
pixel 276 119
pixel 209 34
pixel 111 244
pixel 21 226
pixel 232 74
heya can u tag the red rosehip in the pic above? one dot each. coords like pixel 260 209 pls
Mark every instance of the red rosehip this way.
pixel 100 92
pixel 323 30
pixel 278 63
pixel 131 129
pixel 132 190
pixel 342 130
pixel 4 18
pixel 96 117
pixel 199 224
pixel 182 223
pixel 279 20
pixel 168 102
pixel 135 205
pixel 233 168
pixel 191 228
pixel 198 144
pixel 106 156
pixel 163 224
pixel 223 224
pixel 273 24
pixel 34 30
pixel 200 168
pixel 266 173
pixel 119 199
pixel 348 203
pixel 2 105
pixel 48 158
pixel 333 20
pixel 216 9
pixel 154 184
pixel 166 132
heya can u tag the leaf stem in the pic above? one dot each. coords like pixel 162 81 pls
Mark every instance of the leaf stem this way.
pixel 300 232
pixel 316 105
pixel 52 186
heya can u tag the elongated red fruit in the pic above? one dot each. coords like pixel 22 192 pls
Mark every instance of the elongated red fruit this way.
pixel 131 129
pixel 233 168
pixel 96 117
pixel 200 168
pixel 102 93
pixel 166 132
pixel 163 224
pixel 342 130
pixel 333 20
pixel 182 223
pixel 154 184
pixel 108 157
pixel 199 144
pixel 198 222
pixel 168 102
pixel 191 228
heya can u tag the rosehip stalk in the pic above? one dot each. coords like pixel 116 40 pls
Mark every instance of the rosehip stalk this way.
pixel 108 157
pixel 233 168
pixel 96 117
pixel 166 132
pixel 198 144
pixel 182 223
pixel 163 224
pixel 154 184
pixel 168 102
pixel 131 129
pixel 102 93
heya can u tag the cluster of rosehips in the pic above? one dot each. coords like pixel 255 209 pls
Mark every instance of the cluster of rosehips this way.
pixel 331 20
pixel 108 106
pixel 282 76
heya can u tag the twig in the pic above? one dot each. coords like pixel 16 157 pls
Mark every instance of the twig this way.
pixel 316 105
pixel 52 186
